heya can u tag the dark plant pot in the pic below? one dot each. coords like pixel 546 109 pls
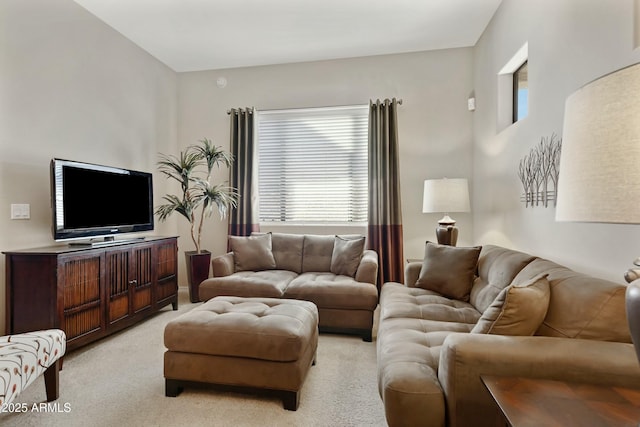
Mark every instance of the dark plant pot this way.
pixel 198 265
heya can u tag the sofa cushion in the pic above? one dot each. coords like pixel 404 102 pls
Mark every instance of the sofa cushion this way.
pixel 519 309
pixel 416 303
pixel 346 255
pixel 328 290
pixel 253 252
pixel 581 306
pixel 497 267
pixel 267 283
pixel 407 377
pixel 287 251
pixel 449 270
pixel 408 353
pixel 407 340
pixel 316 253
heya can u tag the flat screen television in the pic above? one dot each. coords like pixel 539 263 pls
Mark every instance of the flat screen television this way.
pixel 91 200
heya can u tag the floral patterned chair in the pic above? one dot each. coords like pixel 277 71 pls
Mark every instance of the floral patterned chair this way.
pixel 24 357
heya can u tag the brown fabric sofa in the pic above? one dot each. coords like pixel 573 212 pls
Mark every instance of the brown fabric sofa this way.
pixel 525 316
pixel 336 273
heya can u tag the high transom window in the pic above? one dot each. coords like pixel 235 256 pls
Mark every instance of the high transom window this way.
pixel 313 165
pixel 521 92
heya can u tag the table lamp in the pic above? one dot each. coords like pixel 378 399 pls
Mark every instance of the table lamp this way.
pixel 599 164
pixel 446 195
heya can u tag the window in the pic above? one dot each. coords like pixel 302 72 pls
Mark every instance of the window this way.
pixel 313 165
pixel 513 89
pixel 521 92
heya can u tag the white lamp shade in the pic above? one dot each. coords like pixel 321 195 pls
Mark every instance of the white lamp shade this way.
pixel 446 195
pixel 600 160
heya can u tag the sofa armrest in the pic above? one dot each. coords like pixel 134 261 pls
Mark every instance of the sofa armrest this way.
pixel 411 273
pixel 465 357
pixel 223 265
pixel 368 269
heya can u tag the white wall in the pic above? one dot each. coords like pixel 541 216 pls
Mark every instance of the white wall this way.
pixel 72 87
pixel 435 125
pixel 571 42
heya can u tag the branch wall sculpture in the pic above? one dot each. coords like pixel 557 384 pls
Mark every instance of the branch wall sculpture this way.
pixel 538 172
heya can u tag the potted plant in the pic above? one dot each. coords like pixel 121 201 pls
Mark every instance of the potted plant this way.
pixel 193 169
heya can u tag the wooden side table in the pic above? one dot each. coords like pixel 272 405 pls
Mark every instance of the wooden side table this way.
pixel 535 402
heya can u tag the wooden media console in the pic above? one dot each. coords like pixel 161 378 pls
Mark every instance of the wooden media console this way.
pixel 90 292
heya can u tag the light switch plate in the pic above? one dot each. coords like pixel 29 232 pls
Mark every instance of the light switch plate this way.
pixel 471 104
pixel 20 211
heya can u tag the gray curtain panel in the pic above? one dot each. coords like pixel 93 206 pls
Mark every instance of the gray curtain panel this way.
pixel 245 217
pixel 385 211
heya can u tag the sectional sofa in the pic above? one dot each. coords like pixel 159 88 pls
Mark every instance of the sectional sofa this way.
pixel 467 312
pixel 334 272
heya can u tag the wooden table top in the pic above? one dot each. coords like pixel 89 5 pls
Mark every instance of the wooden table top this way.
pixel 534 402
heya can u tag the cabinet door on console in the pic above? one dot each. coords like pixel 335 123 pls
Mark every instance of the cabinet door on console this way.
pixel 167 273
pixel 141 288
pixel 128 281
pixel 82 306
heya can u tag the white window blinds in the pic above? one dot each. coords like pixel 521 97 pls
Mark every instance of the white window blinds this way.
pixel 313 165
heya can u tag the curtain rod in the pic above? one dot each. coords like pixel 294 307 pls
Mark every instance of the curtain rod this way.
pixel 399 101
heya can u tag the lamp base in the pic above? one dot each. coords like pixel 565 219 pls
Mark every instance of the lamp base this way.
pixel 447 234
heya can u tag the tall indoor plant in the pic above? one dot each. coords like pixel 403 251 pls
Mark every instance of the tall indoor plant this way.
pixel 193 169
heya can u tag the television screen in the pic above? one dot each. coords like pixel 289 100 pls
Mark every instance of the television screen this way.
pixel 94 200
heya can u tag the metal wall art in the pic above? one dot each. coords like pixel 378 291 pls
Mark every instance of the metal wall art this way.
pixel 539 171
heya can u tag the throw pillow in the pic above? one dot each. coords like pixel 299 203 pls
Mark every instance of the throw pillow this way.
pixel 316 253
pixel 346 256
pixel 252 253
pixel 287 251
pixel 449 270
pixel 519 309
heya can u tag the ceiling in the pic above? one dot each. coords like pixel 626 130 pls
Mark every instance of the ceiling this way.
pixel 191 35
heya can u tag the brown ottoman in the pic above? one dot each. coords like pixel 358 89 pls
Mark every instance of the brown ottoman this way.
pixel 245 344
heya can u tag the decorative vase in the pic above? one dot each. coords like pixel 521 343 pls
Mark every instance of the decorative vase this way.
pixel 198 265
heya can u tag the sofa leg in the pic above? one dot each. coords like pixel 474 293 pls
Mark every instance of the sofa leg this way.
pixel 52 381
pixel 291 400
pixel 172 388
pixel 366 336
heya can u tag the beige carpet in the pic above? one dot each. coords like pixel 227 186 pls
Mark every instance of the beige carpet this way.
pixel 118 382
